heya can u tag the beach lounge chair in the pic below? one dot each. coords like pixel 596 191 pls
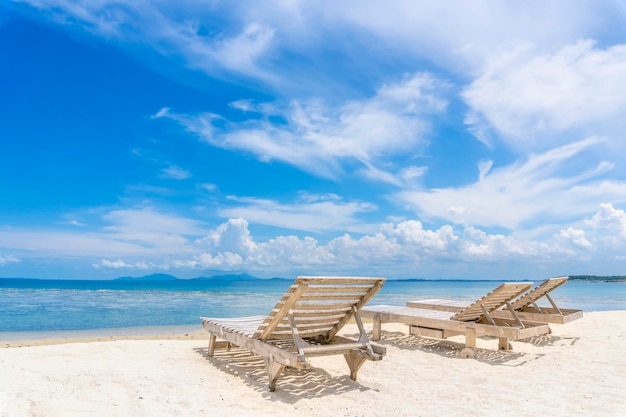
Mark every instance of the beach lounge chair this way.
pixel 525 306
pixel 303 324
pixel 472 321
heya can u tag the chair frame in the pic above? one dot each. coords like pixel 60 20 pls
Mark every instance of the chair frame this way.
pixel 304 324
pixel 473 321
pixel 526 307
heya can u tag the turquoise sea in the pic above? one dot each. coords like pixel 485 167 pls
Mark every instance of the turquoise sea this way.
pixel 72 307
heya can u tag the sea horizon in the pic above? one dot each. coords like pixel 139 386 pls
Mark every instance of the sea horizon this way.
pixel 44 308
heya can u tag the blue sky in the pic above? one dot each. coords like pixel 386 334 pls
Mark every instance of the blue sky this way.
pixel 401 138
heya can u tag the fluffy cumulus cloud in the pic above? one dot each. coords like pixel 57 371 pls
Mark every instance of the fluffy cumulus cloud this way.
pixel 395 249
pixel 610 220
pixel 231 247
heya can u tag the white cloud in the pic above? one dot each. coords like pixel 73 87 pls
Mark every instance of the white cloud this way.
pixel 126 232
pixel 132 222
pixel 261 40
pixel 405 248
pixel 119 264
pixel 232 236
pixel 175 173
pixel 309 215
pixel 414 30
pixel 608 228
pixel 319 138
pixel 610 220
pixel 530 78
pixel 576 237
pixel 241 51
pixel 190 31
pixel 8 259
pixel 209 187
pixel 534 192
pixel 600 238
pixel 532 99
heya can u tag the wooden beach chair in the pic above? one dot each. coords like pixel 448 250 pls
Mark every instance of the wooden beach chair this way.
pixel 525 306
pixel 304 324
pixel 472 321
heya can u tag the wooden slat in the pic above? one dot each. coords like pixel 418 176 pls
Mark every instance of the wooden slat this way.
pixel 322 306
pixel 439 304
pixel 310 313
pixel 377 284
pixel 330 297
pixel 441 320
pixel 257 346
pixel 287 328
pixel 359 289
pixel 492 300
pixel 320 313
pixel 288 301
pixel 526 313
pixel 538 292
pixel 338 280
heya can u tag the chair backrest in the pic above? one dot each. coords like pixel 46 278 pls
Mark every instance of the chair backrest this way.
pixel 538 292
pixel 321 306
pixel 492 300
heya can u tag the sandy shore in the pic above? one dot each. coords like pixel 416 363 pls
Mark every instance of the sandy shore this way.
pixel 579 370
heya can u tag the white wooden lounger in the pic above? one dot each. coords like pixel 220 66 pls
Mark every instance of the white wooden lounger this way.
pixel 472 321
pixel 303 324
pixel 525 306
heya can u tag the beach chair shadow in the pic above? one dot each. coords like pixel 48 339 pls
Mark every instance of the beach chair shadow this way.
pixel 551 340
pixel 475 320
pixel 303 324
pixel 296 384
pixel 451 349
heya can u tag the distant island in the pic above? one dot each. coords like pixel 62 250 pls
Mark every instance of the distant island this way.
pixel 598 278
pixel 248 277
pixel 243 277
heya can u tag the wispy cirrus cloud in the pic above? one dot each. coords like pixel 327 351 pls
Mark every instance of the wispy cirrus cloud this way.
pixel 8 259
pixel 528 193
pixel 312 214
pixel 532 100
pixel 189 32
pixel 174 172
pixel 323 139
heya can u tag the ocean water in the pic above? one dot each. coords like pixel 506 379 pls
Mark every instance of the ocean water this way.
pixel 60 307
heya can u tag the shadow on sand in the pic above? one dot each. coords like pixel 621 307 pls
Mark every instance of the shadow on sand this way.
pixel 292 386
pixel 451 348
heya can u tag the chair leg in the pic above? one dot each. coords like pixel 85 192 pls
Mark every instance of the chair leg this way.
pixel 503 344
pixel 469 351
pixel 355 362
pixel 376 329
pixel 212 339
pixel 273 372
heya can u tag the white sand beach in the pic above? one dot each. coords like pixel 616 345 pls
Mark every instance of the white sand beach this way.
pixel 578 370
